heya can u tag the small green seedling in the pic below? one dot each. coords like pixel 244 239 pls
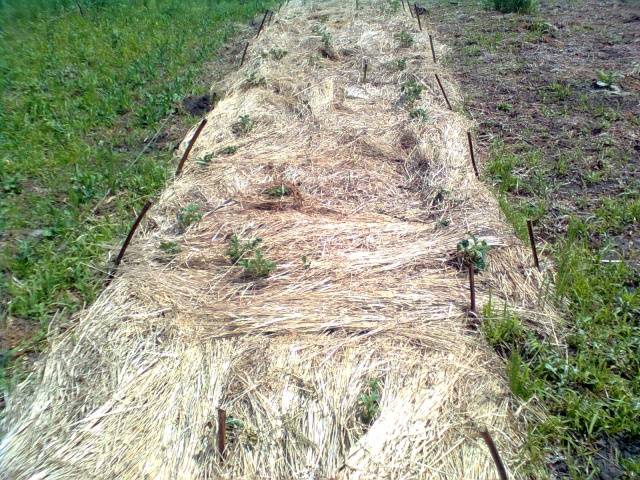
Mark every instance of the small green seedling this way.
pixel 278 191
pixel 419 114
pixel 369 402
pixel 400 64
pixel 189 215
pixel 473 252
pixel 405 39
pixel 230 150
pixel 206 160
pixel 243 126
pixel 412 90
pixel 277 53
pixel 256 80
pixel 247 254
pixel 606 79
pixel 306 264
pixel 170 248
pixel 504 107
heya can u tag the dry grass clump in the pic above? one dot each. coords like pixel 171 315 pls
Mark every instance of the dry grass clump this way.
pixel 351 357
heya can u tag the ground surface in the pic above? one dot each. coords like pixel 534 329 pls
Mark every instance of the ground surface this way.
pixel 564 151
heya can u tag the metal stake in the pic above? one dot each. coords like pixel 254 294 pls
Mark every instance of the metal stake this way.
pixel 502 472
pixel 262 23
pixel 444 94
pixel 366 65
pixel 473 158
pixel 244 53
pixel 190 146
pixel 415 6
pixel 532 240
pixel 222 433
pixel 472 288
pixel 127 241
pixel 433 52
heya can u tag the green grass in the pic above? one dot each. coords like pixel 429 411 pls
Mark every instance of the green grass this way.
pixel 514 6
pixel 80 94
pixel 592 390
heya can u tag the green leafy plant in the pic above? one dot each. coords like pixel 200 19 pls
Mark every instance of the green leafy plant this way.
pixel 419 114
pixel 206 160
pixel 230 150
pixel 188 216
pixel 243 126
pixel 248 254
pixel 400 64
pixel 254 79
pixel 278 191
pixel 412 90
pixel 606 79
pixel 277 53
pixel 473 252
pixel 170 248
pixel 369 402
pixel 504 107
pixel 404 38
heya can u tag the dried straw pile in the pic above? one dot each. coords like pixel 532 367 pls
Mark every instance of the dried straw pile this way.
pixel 363 291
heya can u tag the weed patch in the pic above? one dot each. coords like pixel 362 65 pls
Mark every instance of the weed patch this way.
pixel 188 216
pixel 369 402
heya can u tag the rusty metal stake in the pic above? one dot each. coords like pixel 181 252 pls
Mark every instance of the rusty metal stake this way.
pixel 532 240
pixel 472 288
pixel 127 240
pixel 244 54
pixel 366 65
pixel 433 52
pixel 502 472
pixel 444 94
pixel 190 146
pixel 415 6
pixel 262 23
pixel 222 433
pixel 473 157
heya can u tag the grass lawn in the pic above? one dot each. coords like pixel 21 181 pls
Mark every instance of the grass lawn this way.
pixel 84 86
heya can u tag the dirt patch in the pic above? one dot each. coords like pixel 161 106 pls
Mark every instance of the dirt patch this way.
pixel 531 81
pixel 197 105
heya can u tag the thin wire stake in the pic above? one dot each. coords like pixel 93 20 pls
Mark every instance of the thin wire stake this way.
pixel 502 472
pixel 262 23
pixel 532 240
pixel 403 8
pixel 415 6
pixel 366 65
pixel 473 157
pixel 244 54
pixel 222 433
pixel 433 52
pixel 409 8
pixel 190 146
pixel 472 288
pixel 444 94
pixel 127 240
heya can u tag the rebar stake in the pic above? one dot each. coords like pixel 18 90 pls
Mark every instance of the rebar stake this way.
pixel 415 6
pixel 473 157
pixel 502 472
pixel 444 94
pixel 127 240
pixel 365 66
pixel 222 433
pixel 433 52
pixel 244 54
pixel 190 146
pixel 262 23
pixel 532 241
pixel 472 289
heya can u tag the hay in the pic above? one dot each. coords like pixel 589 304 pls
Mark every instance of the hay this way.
pixel 364 290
